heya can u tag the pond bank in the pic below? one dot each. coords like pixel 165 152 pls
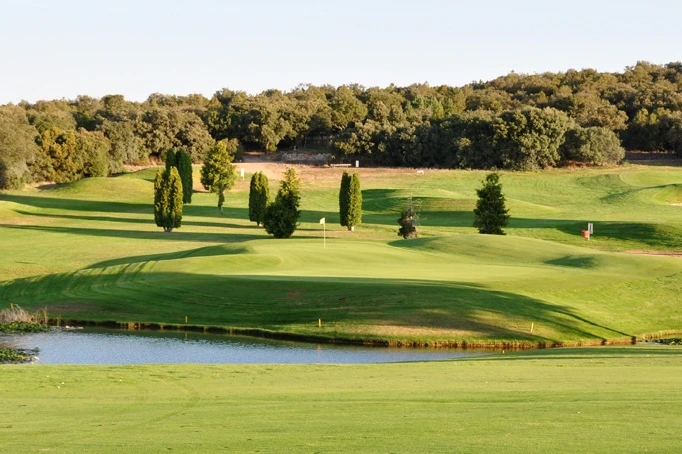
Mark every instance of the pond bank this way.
pixel 341 340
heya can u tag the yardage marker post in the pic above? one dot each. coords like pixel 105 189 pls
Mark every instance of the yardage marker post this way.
pixel 324 230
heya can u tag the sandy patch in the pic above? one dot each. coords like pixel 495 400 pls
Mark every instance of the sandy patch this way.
pixel 312 173
pixel 676 254
pixel 408 331
pixel 293 295
pixel 70 307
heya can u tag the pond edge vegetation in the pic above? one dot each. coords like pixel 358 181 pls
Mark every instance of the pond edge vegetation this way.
pixel 16 320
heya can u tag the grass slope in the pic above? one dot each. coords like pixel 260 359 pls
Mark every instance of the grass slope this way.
pixel 89 250
pixel 607 400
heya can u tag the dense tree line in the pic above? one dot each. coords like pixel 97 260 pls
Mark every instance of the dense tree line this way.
pixel 516 121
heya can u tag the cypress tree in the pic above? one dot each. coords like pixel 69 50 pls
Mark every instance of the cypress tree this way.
pixel 259 195
pixel 171 159
pixel 354 203
pixel 344 201
pixel 184 166
pixel 182 161
pixel 281 216
pixel 490 214
pixel 160 199
pixel 168 199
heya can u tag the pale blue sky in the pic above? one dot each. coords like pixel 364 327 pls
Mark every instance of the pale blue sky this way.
pixel 59 49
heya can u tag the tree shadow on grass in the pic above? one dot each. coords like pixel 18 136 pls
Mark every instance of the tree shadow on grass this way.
pixel 175 235
pixel 659 236
pixel 60 203
pixel 383 206
pixel 149 220
pixel 206 251
pixel 380 308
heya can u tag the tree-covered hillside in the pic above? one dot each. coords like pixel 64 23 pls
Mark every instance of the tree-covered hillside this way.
pixel 516 122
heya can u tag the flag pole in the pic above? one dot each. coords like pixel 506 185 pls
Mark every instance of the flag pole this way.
pixel 323 221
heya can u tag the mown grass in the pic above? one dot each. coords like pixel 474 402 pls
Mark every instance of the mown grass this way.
pixel 90 251
pixel 606 400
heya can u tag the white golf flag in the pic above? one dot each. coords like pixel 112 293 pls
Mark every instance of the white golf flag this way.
pixel 322 221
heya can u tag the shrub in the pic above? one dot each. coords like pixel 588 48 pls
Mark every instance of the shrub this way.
pixel 217 173
pixel 281 216
pixel 408 221
pixel 17 320
pixel 594 146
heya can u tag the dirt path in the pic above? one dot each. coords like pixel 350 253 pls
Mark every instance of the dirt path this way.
pixel 311 173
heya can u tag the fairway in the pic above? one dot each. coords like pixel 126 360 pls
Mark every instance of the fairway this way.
pixel 606 399
pixel 89 250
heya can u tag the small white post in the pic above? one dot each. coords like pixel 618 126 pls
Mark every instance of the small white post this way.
pixel 323 221
pixel 357 164
pixel 242 172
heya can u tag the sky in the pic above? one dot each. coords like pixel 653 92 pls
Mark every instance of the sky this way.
pixel 61 49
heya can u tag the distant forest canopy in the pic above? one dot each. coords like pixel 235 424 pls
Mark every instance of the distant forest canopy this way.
pixel 516 121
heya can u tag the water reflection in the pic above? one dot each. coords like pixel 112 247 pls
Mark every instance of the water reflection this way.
pixel 106 346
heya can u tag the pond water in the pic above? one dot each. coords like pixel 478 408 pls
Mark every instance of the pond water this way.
pixel 108 346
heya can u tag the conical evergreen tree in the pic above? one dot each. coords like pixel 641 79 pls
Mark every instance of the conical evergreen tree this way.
pixel 490 214
pixel 168 199
pixel 171 159
pixel 259 195
pixel 184 166
pixel 354 216
pixel 344 201
pixel 160 198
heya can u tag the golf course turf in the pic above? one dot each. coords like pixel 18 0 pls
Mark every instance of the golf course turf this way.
pixel 90 251
pixel 602 399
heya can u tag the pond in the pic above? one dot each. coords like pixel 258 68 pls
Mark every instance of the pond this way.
pixel 109 346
